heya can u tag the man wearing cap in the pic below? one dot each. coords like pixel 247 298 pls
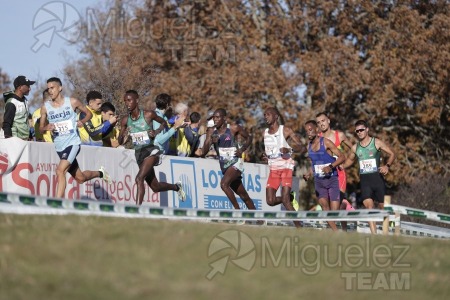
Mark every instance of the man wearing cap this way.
pixel 15 120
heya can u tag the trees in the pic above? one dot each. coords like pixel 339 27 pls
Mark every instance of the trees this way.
pixel 5 83
pixel 386 62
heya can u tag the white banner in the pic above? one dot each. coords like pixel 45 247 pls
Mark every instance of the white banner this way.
pixel 29 168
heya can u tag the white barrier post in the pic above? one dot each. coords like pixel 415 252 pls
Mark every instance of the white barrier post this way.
pixel 387 200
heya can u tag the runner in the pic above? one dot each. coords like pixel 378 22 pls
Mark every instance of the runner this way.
pixel 339 139
pixel 279 156
pixel 139 126
pixel 230 160
pixel 62 122
pixel 320 151
pixel 368 150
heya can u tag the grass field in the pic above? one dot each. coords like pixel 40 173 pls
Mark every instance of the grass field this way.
pixel 77 257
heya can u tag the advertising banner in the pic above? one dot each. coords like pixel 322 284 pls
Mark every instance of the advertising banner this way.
pixel 30 168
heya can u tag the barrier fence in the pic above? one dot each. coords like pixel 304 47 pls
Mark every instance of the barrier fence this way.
pixel 26 204
pixel 418 213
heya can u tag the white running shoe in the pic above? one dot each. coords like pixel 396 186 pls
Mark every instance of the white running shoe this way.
pixel 105 175
pixel 181 193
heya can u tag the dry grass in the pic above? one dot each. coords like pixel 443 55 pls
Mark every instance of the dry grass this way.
pixel 74 257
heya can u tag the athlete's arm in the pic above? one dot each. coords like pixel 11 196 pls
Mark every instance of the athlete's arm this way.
pixel 350 158
pixel 237 129
pixel 380 145
pixel 76 104
pixel 344 140
pixel 329 145
pixel 42 127
pixel 309 173
pixel 297 145
pixel 153 116
pixel 123 134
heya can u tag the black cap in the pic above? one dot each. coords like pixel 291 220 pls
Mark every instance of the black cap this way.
pixel 22 80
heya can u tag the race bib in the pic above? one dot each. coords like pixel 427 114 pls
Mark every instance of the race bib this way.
pixel 64 127
pixel 227 153
pixel 318 170
pixel 272 152
pixel 368 166
pixel 140 138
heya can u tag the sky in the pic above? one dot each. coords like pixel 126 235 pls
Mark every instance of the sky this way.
pixel 35 36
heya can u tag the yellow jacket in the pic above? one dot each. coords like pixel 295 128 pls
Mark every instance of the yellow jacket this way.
pixel 47 136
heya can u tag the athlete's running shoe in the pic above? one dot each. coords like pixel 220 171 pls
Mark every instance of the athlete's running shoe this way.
pixel 294 200
pixel 181 193
pixel 105 175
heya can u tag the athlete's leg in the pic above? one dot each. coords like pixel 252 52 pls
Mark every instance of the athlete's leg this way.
pixel 82 176
pixel 240 190
pixel 61 171
pixel 323 194
pixel 368 203
pixel 231 174
pixel 273 183
pixel 326 206
pixel 145 169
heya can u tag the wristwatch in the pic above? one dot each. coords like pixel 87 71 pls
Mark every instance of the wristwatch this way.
pixel 331 166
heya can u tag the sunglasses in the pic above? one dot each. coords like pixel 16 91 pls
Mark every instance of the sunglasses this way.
pixel 359 130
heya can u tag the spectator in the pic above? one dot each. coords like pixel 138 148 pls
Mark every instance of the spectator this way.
pixel 192 133
pixel 178 143
pixel 47 135
pixel 212 152
pixel 15 120
pixel 108 112
pixel 95 129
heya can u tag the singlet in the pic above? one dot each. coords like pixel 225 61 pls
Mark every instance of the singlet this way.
pixel 227 148
pixel 369 157
pixel 65 120
pixel 272 145
pixel 337 141
pixel 139 131
pixel 321 159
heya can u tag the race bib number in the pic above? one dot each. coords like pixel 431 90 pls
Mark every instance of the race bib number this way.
pixel 227 153
pixel 140 138
pixel 64 127
pixel 318 170
pixel 368 166
pixel 272 152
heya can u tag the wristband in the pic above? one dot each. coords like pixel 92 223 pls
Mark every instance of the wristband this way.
pixel 388 165
pixel 331 166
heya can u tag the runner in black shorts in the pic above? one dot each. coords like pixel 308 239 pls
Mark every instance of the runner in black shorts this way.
pixel 368 150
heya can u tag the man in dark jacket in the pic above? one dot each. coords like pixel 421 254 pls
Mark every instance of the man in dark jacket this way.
pixel 15 120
